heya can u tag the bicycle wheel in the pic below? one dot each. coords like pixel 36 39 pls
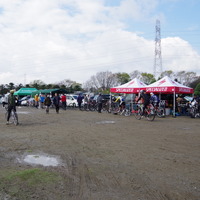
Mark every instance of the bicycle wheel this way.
pixel 15 118
pixel 160 112
pixel 192 112
pixel 6 115
pixel 138 113
pixel 150 115
pixel 127 113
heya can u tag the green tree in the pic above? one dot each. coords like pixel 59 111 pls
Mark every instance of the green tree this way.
pixel 147 78
pixel 197 89
pixel 10 86
pixel 38 84
pixel 123 78
pixel 3 89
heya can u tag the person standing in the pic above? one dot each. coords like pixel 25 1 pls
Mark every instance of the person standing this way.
pixel 56 102
pixel 47 103
pixel 86 102
pixel 154 99
pixel 11 104
pixel 41 101
pixel 79 100
pixel 36 98
pixel 99 102
pixel 63 100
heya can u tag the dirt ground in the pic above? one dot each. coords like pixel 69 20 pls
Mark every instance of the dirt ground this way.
pixel 102 156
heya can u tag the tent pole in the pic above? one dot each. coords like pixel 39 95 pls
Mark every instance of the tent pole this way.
pixel 174 106
pixel 110 103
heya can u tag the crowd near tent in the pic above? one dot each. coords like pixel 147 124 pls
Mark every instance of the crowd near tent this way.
pixel 162 86
pixel 133 86
pixel 25 91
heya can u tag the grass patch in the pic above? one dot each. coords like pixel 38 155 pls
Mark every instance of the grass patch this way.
pixel 33 176
pixel 23 183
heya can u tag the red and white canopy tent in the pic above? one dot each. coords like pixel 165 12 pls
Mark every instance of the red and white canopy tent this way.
pixel 133 86
pixel 168 86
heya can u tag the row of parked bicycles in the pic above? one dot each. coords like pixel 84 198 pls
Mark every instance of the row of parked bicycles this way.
pixel 136 109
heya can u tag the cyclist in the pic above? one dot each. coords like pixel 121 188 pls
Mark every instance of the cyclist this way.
pixel 11 104
pixel 145 99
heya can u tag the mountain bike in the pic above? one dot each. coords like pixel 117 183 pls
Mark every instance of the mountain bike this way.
pixel 13 116
pixel 149 112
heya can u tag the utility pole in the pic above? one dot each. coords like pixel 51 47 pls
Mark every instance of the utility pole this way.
pixel 24 80
pixel 158 57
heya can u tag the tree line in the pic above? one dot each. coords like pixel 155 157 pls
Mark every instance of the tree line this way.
pixel 103 81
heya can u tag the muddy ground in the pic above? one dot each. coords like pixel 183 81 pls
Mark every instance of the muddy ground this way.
pixel 122 159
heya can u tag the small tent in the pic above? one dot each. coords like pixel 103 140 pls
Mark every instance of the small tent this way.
pixel 24 91
pixel 133 86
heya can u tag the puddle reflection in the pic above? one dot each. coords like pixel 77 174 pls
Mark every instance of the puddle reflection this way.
pixel 41 160
pixel 106 122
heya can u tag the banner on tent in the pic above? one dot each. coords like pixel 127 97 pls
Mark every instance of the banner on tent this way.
pixel 124 90
pixel 157 89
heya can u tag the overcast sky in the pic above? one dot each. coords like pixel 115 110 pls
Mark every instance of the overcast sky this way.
pixel 53 40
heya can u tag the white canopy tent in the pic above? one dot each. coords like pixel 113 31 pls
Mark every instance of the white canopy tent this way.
pixel 168 86
pixel 133 86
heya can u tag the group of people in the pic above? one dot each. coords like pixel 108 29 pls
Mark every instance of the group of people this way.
pixel 86 100
pixel 47 101
pixel 183 105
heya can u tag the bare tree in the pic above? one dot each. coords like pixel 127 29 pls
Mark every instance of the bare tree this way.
pixel 67 83
pixel 100 81
pixel 168 73
pixel 186 77
pixel 135 74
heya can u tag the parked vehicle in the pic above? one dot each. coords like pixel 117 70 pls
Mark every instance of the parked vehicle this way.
pixel 24 101
pixel 71 100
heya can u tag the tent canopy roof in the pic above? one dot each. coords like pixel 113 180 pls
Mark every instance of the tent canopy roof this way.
pixel 166 85
pixel 49 91
pixel 133 86
pixel 25 91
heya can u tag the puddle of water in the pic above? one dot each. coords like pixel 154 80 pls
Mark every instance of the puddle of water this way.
pixel 186 128
pixel 106 122
pixel 41 160
pixel 23 112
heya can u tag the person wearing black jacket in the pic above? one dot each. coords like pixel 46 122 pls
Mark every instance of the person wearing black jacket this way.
pixel 145 98
pixel 99 102
pixel 56 102
pixel 11 104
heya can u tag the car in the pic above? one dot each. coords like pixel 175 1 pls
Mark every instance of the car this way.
pixel 24 101
pixel 71 100
pixel 106 97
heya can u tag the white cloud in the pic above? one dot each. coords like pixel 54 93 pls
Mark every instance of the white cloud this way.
pixel 55 40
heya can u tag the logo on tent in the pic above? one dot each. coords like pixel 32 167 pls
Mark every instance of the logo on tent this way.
pixel 161 82
pixel 131 83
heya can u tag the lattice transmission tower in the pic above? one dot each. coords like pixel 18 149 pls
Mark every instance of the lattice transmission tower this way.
pixel 158 55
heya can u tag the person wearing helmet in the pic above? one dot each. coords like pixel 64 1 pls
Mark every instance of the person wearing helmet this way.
pixel 11 104
pixel 154 99
pixel 145 99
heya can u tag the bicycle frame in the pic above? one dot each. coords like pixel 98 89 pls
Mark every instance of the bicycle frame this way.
pixel 149 112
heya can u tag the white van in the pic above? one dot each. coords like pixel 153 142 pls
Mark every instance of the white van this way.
pixel 71 101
